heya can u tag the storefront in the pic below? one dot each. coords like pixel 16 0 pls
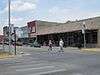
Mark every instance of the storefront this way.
pixel 70 32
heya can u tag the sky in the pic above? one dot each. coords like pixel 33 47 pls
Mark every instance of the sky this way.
pixel 23 11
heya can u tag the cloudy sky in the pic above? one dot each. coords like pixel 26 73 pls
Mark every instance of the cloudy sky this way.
pixel 23 11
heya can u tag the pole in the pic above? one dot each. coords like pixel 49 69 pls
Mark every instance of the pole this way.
pixel 9 24
pixel 83 31
pixel 15 40
pixel 84 41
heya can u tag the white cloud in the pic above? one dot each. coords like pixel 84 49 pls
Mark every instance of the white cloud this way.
pixel 62 14
pixel 15 20
pixel 21 6
pixel 21 11
pixel 25 7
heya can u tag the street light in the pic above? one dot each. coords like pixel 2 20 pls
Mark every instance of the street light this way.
pixel 9 2
pixel 83 32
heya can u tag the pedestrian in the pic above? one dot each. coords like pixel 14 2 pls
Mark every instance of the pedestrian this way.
pixel 50 45
pixel 61 43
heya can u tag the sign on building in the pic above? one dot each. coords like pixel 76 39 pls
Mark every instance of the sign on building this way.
pixel 32 27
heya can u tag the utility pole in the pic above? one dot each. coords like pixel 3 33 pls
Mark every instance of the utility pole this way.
pixel 83 31
pixel 15 40
pixel 9 2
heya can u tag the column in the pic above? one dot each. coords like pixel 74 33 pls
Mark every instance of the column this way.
pixel 98 38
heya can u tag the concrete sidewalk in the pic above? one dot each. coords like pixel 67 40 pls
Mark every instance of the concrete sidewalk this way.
pixel 69 49
pixel 91 49
pixel 45 49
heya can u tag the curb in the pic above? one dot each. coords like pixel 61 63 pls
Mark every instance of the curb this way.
pixel 91 49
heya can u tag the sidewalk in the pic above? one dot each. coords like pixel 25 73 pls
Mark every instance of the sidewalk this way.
pixel 91 49
pixel 45 48
pixel 69 49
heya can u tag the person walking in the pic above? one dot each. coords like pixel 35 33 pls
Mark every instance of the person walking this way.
pixel 61 43
pixel 50 45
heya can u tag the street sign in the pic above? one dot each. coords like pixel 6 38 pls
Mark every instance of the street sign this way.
pixel 83 27
pixel 83 31
pixel 13 37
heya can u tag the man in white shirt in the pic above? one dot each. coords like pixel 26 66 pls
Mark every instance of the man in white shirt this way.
pixel 61 43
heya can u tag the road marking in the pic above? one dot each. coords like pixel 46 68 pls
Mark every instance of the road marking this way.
pixel 77 74
pixel 26 54
pixel 28 69
pixel 32 65
pixel 48 72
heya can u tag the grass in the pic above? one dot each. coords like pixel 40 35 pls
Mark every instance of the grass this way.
pixel 4 54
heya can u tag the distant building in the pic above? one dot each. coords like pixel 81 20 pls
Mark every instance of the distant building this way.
pixel 1 39
pixel 24 35
pixel 18 32
pixel 70 32
pixel 6 33
pixel 21 33
pixel 24 32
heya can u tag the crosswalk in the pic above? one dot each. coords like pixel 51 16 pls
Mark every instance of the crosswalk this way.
pixel 32 66
pixel 35 64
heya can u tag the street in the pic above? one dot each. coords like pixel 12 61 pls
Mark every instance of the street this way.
pixel 37 61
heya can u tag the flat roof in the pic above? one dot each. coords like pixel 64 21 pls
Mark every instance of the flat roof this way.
pixel 91 23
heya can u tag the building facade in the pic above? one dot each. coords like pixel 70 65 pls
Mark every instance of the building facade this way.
pixel 24 35
pixel 21 33
pixel 70 32
pixel 6 33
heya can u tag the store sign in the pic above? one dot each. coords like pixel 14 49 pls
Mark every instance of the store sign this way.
pixel 32 27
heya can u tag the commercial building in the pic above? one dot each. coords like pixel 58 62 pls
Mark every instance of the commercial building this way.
pixel 24 35
pixel 35 27
pixel 70 32
pixel 6 33
pixel 21 33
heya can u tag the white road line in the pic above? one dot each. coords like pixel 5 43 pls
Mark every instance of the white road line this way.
pixel 77 74
pixel 42 73
pixel 26 54
pixel 33 62
pixel 28 69
pixel 30 65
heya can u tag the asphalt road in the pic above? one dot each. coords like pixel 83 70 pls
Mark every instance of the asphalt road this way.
pixel 37 61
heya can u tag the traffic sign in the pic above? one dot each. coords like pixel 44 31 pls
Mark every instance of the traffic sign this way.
pixel 83 31
pixel 13 37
